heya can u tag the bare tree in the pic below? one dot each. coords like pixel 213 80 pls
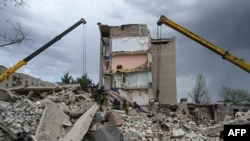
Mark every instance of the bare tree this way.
pixel 16 34
pixel 234 95
pixel 17 37
pixel 200 91
pixel 16 3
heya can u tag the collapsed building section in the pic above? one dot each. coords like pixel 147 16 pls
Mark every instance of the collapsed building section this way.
pixel 130 64
pixel 126 61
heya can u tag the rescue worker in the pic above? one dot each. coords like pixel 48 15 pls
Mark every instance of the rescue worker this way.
pixel 125 106
pixel 100 95
pixel 116 104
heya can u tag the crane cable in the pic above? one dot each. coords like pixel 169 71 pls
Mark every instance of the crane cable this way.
pixel 84 50
pixel 158 53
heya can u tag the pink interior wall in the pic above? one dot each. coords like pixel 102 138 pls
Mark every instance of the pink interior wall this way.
pixel 128 61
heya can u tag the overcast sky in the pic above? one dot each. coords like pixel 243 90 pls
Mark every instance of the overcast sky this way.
pixel 225 23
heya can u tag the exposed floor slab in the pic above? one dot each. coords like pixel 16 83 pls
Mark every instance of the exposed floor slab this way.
pixel 81 126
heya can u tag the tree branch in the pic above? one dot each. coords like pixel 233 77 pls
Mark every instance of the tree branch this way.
pixel 17 3
pixel 18 37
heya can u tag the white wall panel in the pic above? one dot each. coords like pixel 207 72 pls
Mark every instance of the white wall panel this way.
pixel 130 43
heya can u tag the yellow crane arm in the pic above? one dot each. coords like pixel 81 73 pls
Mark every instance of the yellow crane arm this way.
pixel 11 70
pixel 225 54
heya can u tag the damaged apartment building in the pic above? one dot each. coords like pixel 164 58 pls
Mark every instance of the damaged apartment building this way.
pixel 139 68
pixel 22 80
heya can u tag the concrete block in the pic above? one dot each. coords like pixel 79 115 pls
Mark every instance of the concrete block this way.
pixel 50 126
pixel 115 118
pixel 5 95
pixel 178 132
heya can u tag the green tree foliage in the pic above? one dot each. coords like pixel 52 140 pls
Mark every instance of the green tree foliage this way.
pixel 67 79
pixel 200 91
pixel 84 81
pixel 234 95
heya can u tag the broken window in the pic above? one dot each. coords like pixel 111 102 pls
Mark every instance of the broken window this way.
pixel 123 78
pixel 16 81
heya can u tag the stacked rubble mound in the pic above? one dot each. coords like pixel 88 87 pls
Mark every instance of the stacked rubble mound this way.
pixel 154 122
pixel 41 116
pixel 68 114
pixel 145 124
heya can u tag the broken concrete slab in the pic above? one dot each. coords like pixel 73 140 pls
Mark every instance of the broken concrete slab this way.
pixel 228 118
pixel 14 133
pixel 24 103
pixel 4 104
pixel 106 132
pixel 115 118
pixel 81 126
pixel 31 88
pixel 118 96
pixel 177 133
pixel 220 127
pixel 50 89
pixel 131 136
pixel 5 95
pixel 50 126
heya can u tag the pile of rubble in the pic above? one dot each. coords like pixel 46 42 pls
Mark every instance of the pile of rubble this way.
pixel 68 114
pixel 147 124
pixel 156 123
pixel 37 115
pixel 20 117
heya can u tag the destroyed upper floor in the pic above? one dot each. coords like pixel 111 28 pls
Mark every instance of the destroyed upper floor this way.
pixel 129 30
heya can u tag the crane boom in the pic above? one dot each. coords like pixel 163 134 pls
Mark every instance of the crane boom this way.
pixel 224 54
pixel 11 70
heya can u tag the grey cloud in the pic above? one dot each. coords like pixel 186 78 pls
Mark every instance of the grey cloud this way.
pixel 224 23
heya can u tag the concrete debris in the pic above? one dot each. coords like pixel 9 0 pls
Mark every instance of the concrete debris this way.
pixel 106 132
pixel 152 122
pixel 69 114
pixel 41 115
pixel 243 120
pixel 20 118
pixel 177 133
pixel 50 126
pixel 228 118
pixel 131 136
pixel 81 126
pixel 115 118
pixel 6 95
